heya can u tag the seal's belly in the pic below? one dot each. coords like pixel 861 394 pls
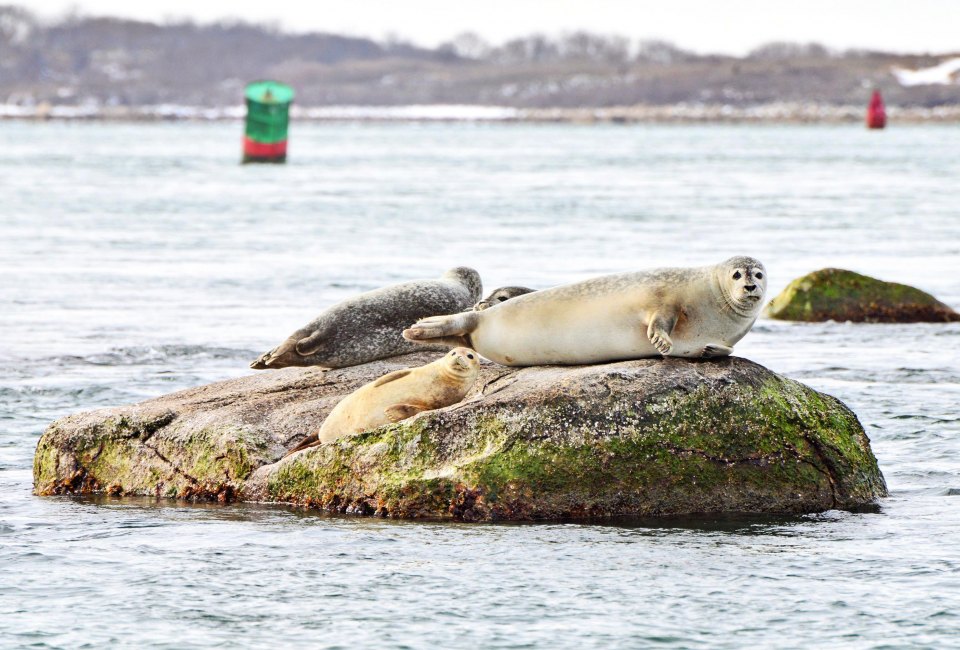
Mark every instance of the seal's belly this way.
pixel 591 332
pixel 573 334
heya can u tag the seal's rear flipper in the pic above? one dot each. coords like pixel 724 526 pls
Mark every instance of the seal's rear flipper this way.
pixel 451 341
pixel 312 440
pixel 261 362
pixel 281 356
pixel 399 412
pixel 450 330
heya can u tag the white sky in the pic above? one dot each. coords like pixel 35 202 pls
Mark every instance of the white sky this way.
pixel 722 26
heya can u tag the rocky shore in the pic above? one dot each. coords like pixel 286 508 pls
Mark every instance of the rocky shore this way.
pixel 645 437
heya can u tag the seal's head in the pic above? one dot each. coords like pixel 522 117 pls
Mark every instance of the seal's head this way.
pixel 501 295
pixel 743 283
pixel 467 277
pixel 462 363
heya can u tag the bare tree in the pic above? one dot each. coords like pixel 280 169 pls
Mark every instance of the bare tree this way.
pixel 661 53
pixel 783 51
pixel 593 47
pixel 16 25
pixel 469 45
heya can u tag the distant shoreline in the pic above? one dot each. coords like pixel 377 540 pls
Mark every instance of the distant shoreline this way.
pixel 780 112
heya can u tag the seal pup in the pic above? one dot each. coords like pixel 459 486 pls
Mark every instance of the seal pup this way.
pixel 399 395
pixel 501 295
pixel 679 312
pixel 367 327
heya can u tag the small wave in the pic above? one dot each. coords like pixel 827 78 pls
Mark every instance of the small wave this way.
pixel 148 355
pixel 942 377
pixel 923 417
pixel 89 392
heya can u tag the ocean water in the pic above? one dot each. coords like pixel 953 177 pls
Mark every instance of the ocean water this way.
pixel 140 259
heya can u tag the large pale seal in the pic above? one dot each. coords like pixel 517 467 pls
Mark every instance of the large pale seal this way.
pixel 367 327
pixel 502 294
pixel 678 312
pixel 399 395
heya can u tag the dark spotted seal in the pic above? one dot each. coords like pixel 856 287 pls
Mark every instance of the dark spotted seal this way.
pixel 368 326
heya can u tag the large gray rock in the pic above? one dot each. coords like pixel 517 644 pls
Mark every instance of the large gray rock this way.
pixel 645 437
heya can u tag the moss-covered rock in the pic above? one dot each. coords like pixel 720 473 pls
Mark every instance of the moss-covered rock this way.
pixel 836 294
pixel 646 437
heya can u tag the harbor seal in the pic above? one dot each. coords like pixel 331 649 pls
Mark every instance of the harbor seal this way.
pixel 678 312
pixel 501 295
pixel 367 327
pixel 399 395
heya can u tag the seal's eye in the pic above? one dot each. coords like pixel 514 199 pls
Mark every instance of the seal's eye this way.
pixel 758 275
pixel 469 356
pixel 453 354
pixel 502 298
pixel 736 275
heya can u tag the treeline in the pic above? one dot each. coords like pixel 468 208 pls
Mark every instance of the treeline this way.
pixel 616 50
pixel 107 61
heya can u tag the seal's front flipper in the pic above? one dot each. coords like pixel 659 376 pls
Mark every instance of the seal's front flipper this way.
pixel 399 412
pixel 715 350
pixel 658 331
pixel 442 327
pixel 311 344
pixel 312 440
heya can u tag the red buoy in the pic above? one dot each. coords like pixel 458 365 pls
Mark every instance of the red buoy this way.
pixel 876 113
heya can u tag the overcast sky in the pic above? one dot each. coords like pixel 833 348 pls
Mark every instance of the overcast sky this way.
pixel 723 26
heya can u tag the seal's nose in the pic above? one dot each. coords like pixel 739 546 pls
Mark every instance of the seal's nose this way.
pixel 751 287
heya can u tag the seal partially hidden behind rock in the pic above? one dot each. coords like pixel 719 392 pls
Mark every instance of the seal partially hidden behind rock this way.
pixel 399 395
pixel 368 327
pixel 502 294
pixel 677 312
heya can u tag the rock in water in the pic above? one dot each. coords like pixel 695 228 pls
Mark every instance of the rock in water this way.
pixel 645 437
pixel 836 294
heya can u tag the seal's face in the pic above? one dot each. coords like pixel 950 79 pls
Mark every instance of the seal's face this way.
pixel 463 362
pixel 502 294
pixel 744 282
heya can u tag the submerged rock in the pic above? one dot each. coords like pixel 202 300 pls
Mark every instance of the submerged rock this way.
pixel 645 437
pixel 836 294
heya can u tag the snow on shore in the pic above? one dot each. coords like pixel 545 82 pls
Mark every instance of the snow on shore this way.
pixel 947 73
pixel 457 112
pixel 773 112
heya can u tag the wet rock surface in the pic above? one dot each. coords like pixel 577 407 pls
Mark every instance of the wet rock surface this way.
pixel 644 437
pixel 840 295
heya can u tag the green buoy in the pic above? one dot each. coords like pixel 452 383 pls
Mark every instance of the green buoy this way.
pixel 268 116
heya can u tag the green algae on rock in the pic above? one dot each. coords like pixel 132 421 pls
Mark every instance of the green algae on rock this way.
pixel 840 295
pixel 645 437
